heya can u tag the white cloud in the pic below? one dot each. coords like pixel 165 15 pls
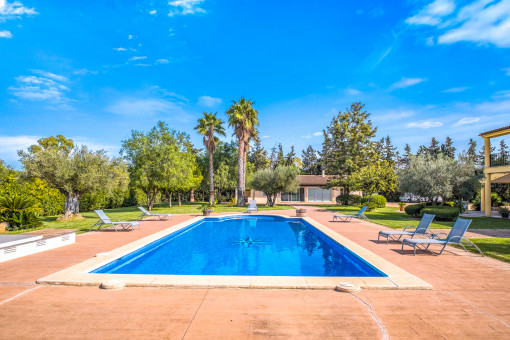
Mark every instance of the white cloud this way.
pixel 84 71
pixel 40 88
pixel 433 13
pixel 130 36
pixel 480 21
pixel 5 34
pixel 50 75
pixel 208 101
pixel 406 82
pixel 467 120
pixel 502 94
pixel 424 125
pixel 11 145
pixel 183 7
pixel 14 10
pixel 137 58
pixel 483 21
pixel 142 107
pixel 506 70
pixel 353 92
pixel 264 137
pixel 153 12
pixel 310 135
pixel 162 61
pixel 120 49
pixel 456 89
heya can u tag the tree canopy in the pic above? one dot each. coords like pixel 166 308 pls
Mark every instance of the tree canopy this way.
pixel 272 182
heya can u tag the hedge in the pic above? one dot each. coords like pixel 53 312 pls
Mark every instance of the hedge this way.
pixel 348 199
pixel 414 209
pixel 378 200
pixel 443 213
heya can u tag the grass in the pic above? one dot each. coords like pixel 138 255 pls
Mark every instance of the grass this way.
pixel 131 213
pixel 498 248
pixel 393 218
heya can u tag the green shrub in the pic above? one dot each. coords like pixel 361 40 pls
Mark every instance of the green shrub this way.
pixel 20 211
pixel 451 203
pixel 414 209
pixel 378 200
pixel 348 199
pixel 495 201
pixel 442 212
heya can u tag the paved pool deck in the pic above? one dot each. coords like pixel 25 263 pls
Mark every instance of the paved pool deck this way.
pixel 470 299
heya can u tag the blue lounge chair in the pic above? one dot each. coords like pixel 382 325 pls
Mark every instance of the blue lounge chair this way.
pixel 105 220
pixel 348 218
pixel 154 214
pixel 421 229
pixel 456 236
pixel 252 207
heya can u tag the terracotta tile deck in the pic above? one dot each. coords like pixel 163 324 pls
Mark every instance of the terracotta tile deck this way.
pixel 470 299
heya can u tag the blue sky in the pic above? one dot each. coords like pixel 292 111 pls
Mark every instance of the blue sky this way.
pixel 95 70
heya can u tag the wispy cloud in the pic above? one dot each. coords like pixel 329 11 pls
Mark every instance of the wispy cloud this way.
pixel 310 135
pixel 50 75
pixel 467 120
pixel 137 58
pixel 456 89
pixel 183 7
pixel 14 10
pixel 352 92
pixel 506 70
pixel 480 21
pixel 407 82
pixel 162 61
pixel 11 145
pixel 208 101
pixel 153 12
pixel 142 106
pixel 39 89
pixel 120 49
pixel 5 34
pixel 424 125
pixel 433 13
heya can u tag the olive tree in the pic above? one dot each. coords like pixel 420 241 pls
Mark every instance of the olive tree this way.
pixel 73 170
pixel 272 182
pixel 376 177
pixel 439 176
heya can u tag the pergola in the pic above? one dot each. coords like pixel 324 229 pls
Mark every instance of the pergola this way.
pixel 496 170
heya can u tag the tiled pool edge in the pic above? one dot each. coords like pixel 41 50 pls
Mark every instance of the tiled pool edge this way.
pixel 78 275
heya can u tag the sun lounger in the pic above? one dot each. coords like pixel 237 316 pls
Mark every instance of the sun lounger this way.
pixel 421 229
pixel 456 236
pixel 154 214
pixel 252 206
pixel 105 220
pixel 348 218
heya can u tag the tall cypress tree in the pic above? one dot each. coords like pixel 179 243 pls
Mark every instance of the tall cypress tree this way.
pixel 434 148
pixel 310 162
pixel 447 148
pixel 348 144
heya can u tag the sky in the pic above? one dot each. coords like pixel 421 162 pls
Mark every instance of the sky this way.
pixel 94 71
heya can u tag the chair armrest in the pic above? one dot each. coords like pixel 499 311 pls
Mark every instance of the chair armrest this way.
pixel 118 219
pixel 409 226
pixel 437 235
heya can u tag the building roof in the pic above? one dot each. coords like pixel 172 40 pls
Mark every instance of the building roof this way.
pixel 495 131
pixel 314 180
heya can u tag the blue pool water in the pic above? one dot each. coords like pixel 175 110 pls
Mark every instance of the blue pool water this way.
pixel 244 245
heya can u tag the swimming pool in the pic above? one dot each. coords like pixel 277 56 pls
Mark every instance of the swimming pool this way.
pixel 244 246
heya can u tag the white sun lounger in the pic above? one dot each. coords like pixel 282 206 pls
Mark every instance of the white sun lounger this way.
pixel 105 220
pixel 252 206
pixel 160 217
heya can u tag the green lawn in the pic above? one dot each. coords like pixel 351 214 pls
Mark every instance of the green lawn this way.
pixel 393 218
pixel 131 213
pixel 498 248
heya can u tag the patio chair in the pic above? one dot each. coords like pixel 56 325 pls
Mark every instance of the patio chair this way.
pixel 105 220
pixel 348 218
pixel 456 236
pixel 159 217
pixel 252 206
pixel 421 229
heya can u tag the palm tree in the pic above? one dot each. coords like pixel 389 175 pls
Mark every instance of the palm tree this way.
pixel 208 126
pixel 244 119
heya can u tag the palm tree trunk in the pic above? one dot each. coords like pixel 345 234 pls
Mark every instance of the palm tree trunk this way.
pixel 240 175
pixel 211 178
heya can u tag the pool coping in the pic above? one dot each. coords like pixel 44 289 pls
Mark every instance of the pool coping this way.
pixel 78 275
